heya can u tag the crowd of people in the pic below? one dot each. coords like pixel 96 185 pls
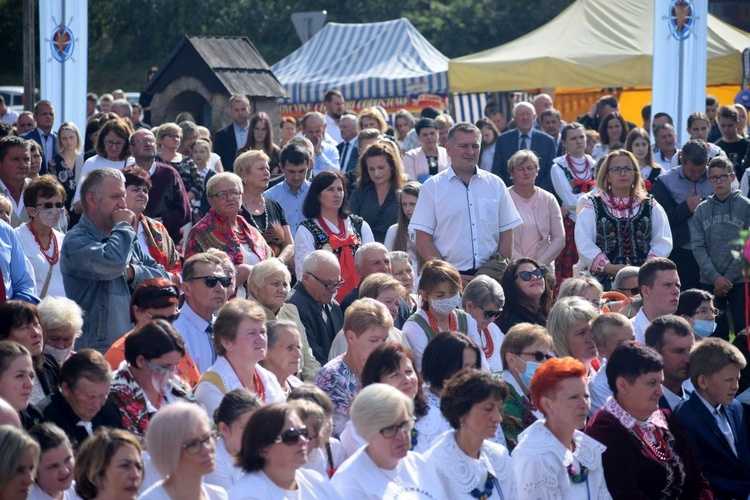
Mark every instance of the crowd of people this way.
pixel 374 306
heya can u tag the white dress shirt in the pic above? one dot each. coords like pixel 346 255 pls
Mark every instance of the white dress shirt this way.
pixel 197 342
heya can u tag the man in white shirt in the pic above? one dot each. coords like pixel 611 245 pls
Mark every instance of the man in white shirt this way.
pixel 672 337
pixel 326 156
pixel 335 104
pixel 205 285
pixel 44 115
pixel 291 192
pixel 660 285
pixel 464 214
pixel 666 143
pixel 7 115
pixel 232 137
pixel 15 163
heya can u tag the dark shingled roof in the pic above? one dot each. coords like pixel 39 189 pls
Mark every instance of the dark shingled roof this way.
pixel 228 63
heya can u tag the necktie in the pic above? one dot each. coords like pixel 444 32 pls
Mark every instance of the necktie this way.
pixel 328 318
pixel 86 425
pixel 725 429
pixel 344 163
pixel 210 333
pixel 524 143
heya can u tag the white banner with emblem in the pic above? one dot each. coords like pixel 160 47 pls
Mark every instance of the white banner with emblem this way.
pixel 63 60
pixel 679 60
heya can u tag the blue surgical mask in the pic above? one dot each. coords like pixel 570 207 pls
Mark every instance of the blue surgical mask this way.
pixel 531 367
pixel 704 328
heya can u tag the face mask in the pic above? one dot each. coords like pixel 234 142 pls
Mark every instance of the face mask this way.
pixel 446 304
pixel 703 327
pixel 160 382
pixel 50 217
pixel 531 367
pixel 60 355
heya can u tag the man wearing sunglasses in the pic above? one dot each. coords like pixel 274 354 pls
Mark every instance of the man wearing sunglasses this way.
pixel 313 295
pixel 464 214
pixel 206 288
pixel 102 262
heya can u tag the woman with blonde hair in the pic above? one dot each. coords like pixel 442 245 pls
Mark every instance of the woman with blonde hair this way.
pixel 109 465
pixel 19 457
pixel 380 178
pixel 66 162
pixel 372 118
pixel 621 224
pixel 569 325
pixel 168 139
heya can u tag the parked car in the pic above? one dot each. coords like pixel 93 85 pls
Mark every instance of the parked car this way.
pixel 14 98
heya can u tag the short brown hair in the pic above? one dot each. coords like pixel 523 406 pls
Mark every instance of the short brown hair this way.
pixel 136 176
pixel 436 272
pixel 376 283
pixel 262 429
pixel 520 336
pixel 229 318
pixel 364 314
pixel 122 130
pixel 467 388
pixel 44 186
pixel 88 364
pixel 95 455
pixel 711 355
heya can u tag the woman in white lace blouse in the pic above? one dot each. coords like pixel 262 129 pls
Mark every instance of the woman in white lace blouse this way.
pixel 553 458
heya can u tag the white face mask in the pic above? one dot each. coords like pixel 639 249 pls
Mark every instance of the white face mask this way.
pixel 50 217
pixel 60 355
pixel 446 304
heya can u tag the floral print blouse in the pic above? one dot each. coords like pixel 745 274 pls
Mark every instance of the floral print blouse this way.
pixel 341 385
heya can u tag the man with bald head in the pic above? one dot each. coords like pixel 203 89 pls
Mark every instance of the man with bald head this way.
pixel 525 136
pixel 167 199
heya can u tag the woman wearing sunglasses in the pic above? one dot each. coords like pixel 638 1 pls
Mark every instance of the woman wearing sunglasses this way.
pixel 525 348
pixel 385 467
pixel 40 238
pixel 528 294
pixel 146 380
pixel 274 449
pixel 554 459
pixel 241 343
pixel 569 325
pixel 621 224
pixel 157 298
pixel 469 463
pixel 483 299
pixel 182 448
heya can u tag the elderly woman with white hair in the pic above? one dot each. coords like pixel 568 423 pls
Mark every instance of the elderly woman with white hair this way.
pixel 268 285
pixel 61 320
pixel 223 228
pixel 284 353
pixel 182 447
pixel 483 299
pixel 569 325
pixel 385 468
pixel 586 287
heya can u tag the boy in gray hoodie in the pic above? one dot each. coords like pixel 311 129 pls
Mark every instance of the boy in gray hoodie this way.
pixel 716 223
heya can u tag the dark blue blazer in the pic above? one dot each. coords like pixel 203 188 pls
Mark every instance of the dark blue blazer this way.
pixel 541 144
pixel 34 136
pixel 729 475
pixel 353 158
pixel 225 145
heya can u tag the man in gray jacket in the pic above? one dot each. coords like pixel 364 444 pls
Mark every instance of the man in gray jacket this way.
pixel 716 224
pixel 101 260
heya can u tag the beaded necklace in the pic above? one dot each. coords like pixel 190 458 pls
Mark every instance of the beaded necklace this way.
pixel 578 173
pixel 53 241
pixel 265 218
pixel 583 477
pixel 487 347
pixel 260 389
pixel 661 450
pixel 414 438
pixel 452 322
pixel 489 485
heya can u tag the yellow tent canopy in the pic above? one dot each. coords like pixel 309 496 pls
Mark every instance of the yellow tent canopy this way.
pixel 592 43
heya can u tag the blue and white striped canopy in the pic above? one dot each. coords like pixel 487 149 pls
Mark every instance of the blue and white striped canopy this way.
pixel 364 61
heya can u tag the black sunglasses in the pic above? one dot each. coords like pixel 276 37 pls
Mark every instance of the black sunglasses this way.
pixel 539 356
pixel 211 281
pixel 633 291
pixel 49 204
pixel 169 319
pixel 490 314
pixel 291 436
pixel 528 275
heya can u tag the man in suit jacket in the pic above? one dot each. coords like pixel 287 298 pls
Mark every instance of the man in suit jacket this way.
pixel 44 114
pixel 313 295
pixel 715 421
pixel 552 123
pixel 672 337
pixel 232 137
pixel 348 152
pixel 525 137
pixel 14 167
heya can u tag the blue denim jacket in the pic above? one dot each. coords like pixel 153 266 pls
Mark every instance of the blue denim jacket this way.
pixel 93 268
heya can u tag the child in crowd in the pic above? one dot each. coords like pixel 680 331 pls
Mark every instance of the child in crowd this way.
pixel 609 330
pixel 6 207
pixel 715 421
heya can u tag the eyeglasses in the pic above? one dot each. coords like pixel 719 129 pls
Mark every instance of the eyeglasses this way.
pixel 211 281
pixel 223 195
pixel 196 445
pixel 391 431
pixel 705 312
pixel 169 319
pixel 539 356
pixel 291 436
pixel 48 204
pixel 633 291
pixel 145 141
pixel 160 369
pixel 718 178
pixel 329 286
pixel 621 170
pixel 490 314
pixel 114 143
pixel 529 275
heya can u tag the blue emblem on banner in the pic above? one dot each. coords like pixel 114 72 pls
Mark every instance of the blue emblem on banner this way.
pixel 681 19
pixel 62 42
